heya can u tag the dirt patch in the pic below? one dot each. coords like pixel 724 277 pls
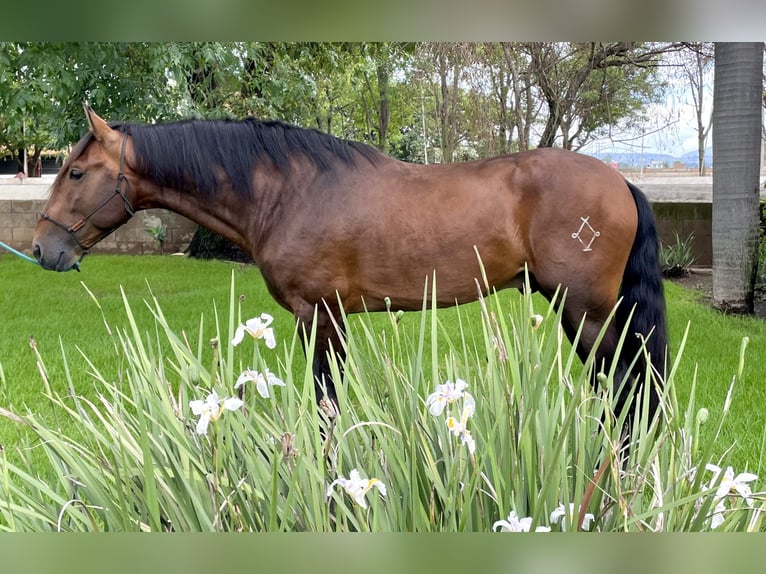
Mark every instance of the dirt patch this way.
pixel 701 279
pixel 698 279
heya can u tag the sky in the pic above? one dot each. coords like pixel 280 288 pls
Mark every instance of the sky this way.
pixel 670 127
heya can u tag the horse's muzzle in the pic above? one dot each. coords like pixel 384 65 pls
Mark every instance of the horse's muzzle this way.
pixel 55 255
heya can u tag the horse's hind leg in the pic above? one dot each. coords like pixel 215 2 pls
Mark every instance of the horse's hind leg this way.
pixel 587 307
pixel 594 322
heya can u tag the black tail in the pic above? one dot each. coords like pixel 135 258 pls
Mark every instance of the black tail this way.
pixel 642 289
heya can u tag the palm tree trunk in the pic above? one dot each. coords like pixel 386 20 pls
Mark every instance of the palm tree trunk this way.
pixel 737 97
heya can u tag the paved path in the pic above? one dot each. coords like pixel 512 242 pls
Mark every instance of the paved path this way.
pixel 681 189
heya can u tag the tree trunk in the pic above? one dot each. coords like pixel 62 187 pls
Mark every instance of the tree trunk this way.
pixel 384 106
pixel 737 96
pixel 444 109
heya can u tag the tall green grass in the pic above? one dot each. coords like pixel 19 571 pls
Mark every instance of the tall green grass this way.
pixel 57 312
pixel 128 457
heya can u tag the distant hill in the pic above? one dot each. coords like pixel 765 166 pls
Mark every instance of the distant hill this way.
pixel 691 159
pixel 650 159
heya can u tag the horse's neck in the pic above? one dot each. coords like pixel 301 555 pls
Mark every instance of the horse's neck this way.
pixel 243 218
pixel 221 212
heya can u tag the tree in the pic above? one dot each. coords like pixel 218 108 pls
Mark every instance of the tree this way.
pixel 24 123
pixel 475 100
pixel 589 86
pixel 701 62
pixel 501 106
pixel 490 98
pixel 693 65
pixel 203 71
pixel 524 107
pixel 43 85
pixel 737 97
pixel 377 94
pixel 443 65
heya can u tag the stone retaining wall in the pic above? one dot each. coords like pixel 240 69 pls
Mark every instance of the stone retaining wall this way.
pixel 19 216
pixel 681 205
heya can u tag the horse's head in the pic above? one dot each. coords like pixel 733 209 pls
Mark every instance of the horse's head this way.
pixel 89 199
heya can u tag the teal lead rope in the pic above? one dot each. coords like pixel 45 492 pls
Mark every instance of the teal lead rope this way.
pixel 7 247
pixel 19 253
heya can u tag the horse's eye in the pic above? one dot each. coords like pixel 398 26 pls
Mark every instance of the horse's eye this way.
pixel 75 174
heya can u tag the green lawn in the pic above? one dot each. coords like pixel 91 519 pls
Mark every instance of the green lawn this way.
pixel 57 310
pixel 713 349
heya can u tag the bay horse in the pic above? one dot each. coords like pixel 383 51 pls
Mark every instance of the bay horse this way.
pixel 332 222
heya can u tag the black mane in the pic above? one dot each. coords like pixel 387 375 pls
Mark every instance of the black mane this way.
pixel 192 153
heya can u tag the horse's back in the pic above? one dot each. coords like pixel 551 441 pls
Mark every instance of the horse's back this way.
pixel 566 217
pixel 396 225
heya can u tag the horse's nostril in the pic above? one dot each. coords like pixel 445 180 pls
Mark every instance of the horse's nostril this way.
pixel 36 251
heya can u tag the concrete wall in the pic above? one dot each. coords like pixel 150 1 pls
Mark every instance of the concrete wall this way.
pixel 685 219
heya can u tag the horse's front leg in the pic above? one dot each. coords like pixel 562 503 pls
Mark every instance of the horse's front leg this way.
pixel 328 344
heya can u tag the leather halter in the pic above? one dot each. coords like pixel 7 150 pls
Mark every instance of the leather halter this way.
pixel 75 227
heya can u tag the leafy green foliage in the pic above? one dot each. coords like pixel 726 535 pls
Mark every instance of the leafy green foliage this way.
pixel 480 100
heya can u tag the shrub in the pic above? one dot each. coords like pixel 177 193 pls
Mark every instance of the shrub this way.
pixel 677 259
pixel 761 277
pixel 207 244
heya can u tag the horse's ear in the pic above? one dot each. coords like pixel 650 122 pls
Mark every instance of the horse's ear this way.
pixel 100 129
